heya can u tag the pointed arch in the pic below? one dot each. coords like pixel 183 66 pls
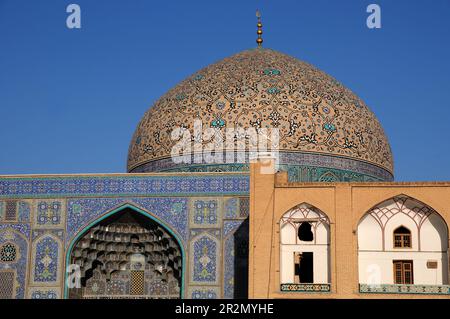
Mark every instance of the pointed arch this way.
pixel 402 237
pixel 305 213
pixel 403 229
pixel 110 213
pixel 417 211
pixel 304 247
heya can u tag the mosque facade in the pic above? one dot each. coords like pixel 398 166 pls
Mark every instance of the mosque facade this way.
pixel 323 218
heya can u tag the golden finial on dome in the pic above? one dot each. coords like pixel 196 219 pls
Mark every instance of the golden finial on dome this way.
pixel 259 40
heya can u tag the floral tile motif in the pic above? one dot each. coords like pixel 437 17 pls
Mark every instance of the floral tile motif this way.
pixel 82 212
pixel 58 233
pixel 24 229
pixel 43 293
pixel 228 272
pixel 204 293
pixel 45 225
pixel 205 212
pixel 243 85
pixel 229 226
pixel 46 260
pixel 12 234
pixel 49 213
pixel 231 207
pixel 204 259
pixel 123 186
pixel 24 212
pixel 405 289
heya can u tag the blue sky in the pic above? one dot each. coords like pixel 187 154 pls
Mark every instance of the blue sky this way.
pixel 71 99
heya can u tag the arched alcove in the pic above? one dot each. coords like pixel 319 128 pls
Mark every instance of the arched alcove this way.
pixel 405 241
pixel 126 254
pixel 304 246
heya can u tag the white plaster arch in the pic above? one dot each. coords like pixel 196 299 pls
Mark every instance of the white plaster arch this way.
pixel 290 244
pixel 429 241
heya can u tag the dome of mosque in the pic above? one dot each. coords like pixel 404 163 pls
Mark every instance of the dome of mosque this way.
pixel 325 131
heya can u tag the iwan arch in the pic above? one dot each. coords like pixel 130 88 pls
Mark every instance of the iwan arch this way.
pixel 125 243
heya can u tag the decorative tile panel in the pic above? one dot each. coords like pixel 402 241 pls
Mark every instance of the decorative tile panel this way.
pixel 204 254
pixel 24 212
pixel 306 287
pixel 11 234
pixel 49 213
pixel 405 289
pixel 205 212
pixel 204 293
pixel 125 186
pixel 82 212
pixel 43 293
pixel 46 260
pixel 228 271
pixel 231 207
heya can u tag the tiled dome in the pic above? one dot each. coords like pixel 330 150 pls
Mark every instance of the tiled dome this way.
pixel 316 115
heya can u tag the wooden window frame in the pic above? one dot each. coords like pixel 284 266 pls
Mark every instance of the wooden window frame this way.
pixel 402 262
pixel 402 239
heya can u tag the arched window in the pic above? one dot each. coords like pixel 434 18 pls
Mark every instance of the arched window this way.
pixel 402 237
pixel 304 248
pixel 305 232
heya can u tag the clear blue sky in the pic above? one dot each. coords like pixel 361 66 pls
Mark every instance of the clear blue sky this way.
pixel 71 99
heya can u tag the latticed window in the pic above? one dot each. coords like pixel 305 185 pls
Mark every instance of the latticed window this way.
pixel 403 272
pixel 402 237
pixel 11 210
pixel 137 282
pixel 8 252
pixel 7 284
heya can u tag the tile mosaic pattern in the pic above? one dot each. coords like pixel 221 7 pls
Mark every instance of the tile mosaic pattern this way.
pixel 405 289
pixel 228 275
pixel 47 218
pixel 123 186
pixel 82 212
pixel 313 168
pixel 24 212
pixel 306 287
pixel 43 293
pixel 204 293
pixel 19 236
pixel 46 260
pixel 231 207
pixel 261 88
pixel 49 213
pixel 205 213
pixel 205 257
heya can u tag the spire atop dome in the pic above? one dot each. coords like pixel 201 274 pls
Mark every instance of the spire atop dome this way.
pixel 259 40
